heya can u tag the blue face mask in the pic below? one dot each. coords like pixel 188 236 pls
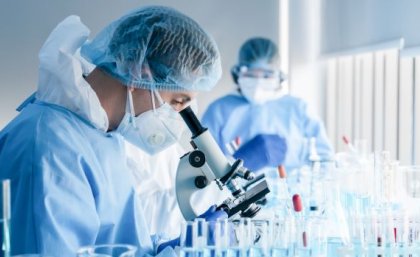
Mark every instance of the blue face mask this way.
pixel 153 130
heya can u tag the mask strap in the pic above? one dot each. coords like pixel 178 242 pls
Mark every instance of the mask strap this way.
pixel 153 101
pixel 153 93
pixel 130 106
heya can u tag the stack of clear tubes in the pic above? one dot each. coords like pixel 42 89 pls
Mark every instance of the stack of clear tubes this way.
pixel 309 237
pixel 359 205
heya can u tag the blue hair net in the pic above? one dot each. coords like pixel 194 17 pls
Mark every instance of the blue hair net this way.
pixel 257 52
pixel 159 48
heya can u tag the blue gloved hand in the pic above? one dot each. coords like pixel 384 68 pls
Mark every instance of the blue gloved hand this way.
pixel 172 243
pixel 263 150
pixel 210 215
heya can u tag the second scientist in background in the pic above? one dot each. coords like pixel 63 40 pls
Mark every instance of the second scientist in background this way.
pixel 274 128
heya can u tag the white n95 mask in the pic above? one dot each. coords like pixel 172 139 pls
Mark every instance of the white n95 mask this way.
pixel 260 90
pixel 153 130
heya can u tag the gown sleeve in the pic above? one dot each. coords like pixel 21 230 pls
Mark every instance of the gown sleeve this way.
pixel 62 194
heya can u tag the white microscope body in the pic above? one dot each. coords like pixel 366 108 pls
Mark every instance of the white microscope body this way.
pixel 206 165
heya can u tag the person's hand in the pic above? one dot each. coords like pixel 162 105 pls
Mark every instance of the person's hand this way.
pixel 173 243
pixel 212 214
pixel 263 150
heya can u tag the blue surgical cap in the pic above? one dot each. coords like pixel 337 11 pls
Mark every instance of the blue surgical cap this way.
pixel 257 52
pixel 156 47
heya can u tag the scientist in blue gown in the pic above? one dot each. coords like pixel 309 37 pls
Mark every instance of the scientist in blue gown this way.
pixel 274 128
pixel 64 152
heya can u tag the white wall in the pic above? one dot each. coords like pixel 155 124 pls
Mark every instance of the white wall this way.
pixel 354 23
pixel 321 27
pixel 24 25
pixel 369 76
pixel 305 65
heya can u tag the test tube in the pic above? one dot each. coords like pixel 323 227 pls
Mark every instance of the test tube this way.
pixel 283 233
pixel 5 216
pixel 217 235
pixel 298 207
pixel 381 159
pixel 201 224
pixel 349 144
pixel 188 239
pixel 233 145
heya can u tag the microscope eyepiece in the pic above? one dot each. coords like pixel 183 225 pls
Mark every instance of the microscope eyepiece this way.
pixel 192 122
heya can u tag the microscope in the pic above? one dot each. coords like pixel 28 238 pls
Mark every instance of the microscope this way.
pixel 206 165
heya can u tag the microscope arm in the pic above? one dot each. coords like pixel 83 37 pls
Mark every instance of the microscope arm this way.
pixel 186 178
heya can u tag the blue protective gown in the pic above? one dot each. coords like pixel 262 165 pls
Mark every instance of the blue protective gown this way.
pixel 70 183
pixel 233 116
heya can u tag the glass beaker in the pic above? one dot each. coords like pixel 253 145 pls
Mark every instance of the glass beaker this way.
pixel 282 233
pixel 107 250
pixel 5 217
pixel 31 255
pixel 260 238
pixel 239 240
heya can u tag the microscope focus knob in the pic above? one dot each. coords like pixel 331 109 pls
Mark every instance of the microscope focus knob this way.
pixel 201 182
pixel 197 158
